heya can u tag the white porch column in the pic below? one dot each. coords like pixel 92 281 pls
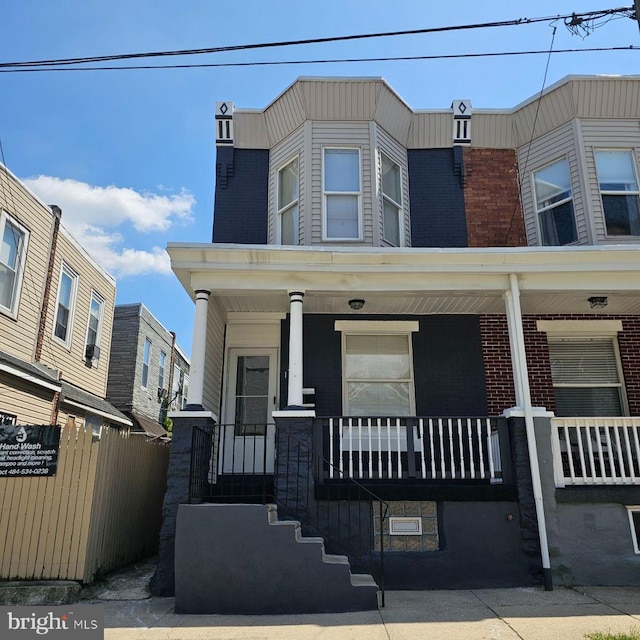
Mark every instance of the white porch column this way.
pixel 518 354
pixel 515 353
pixel 198 351
pixel 295 348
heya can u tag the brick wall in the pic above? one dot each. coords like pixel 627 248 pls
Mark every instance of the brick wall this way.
pixel 499 372
pixel 492 203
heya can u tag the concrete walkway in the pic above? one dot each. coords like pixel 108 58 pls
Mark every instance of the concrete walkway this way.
pixel 484 614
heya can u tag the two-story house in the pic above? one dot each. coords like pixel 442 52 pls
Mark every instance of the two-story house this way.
pixel 148 371
pixel 440 308
pixel 56 314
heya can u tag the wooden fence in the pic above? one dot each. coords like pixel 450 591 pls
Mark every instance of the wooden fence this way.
pixel 101 511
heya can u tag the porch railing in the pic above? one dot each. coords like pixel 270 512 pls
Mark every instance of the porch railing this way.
pixel 596 451
pixel 406 448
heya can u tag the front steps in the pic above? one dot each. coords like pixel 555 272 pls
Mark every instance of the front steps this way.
pixel 240 559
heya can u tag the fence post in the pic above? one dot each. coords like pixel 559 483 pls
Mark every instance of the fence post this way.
pixel 178 477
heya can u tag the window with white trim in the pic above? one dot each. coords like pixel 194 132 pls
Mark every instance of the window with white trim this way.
pixel 146 359
pixel 13 252
pixel 65 305
pixel 619 191
pixel 94 326
pixel 162 358
pixel 342 195
pixel 391 182
pixel 377 367
pixel 288 193
pixel 587 377
pixel 554 204
pixel 634 522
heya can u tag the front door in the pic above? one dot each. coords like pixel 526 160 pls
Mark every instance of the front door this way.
pixel 248 438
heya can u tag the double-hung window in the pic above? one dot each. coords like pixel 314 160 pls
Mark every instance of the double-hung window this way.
pixel 94 328
pixel 391 201
pixel 618 182
pixel 342 195
pixel 554 204
pixel 377 368
pixel 65 307
pixel 13 251
pixel 288 188
pixel 146 359
pixel 586 376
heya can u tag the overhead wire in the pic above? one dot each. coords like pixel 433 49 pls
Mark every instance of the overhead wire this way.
pixel 264 63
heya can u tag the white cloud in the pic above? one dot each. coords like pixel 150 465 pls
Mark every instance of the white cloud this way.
pixel 97 218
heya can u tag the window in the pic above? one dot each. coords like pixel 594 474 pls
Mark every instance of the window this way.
pixel 634 521
pixel 378 374
pixel 586 377
pixel 391 201
pixel 65 307
pixel 93 422
pixel 341 191
pixel 13 251
pixel 185 390
pixel 161 360
pixel 554 204
pixel 94 327
pixel 146 359
pixel 288 203
pixel 619 192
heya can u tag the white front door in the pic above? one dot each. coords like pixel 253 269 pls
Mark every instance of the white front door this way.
pixel 248 438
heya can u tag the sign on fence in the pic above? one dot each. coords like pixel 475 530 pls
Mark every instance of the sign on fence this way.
pixel 29 450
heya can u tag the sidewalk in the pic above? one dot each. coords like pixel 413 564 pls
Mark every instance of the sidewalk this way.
pixel 482 614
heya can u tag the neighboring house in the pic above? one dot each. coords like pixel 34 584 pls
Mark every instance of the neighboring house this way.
pixel 148 373
pixel 56 309
pixel 385 291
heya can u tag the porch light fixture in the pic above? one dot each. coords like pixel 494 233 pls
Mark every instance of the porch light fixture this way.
pixel 356 304
pixel 598 302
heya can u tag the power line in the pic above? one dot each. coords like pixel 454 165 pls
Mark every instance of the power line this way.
pixel 591 15
pixel 317 61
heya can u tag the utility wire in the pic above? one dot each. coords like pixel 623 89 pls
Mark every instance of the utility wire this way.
pixel 591 15
pixel 318 61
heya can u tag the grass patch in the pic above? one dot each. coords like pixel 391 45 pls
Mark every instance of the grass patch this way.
pixel 633 634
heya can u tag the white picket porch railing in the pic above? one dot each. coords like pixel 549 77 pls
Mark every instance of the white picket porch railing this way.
pixel 596 451
pixel 422 448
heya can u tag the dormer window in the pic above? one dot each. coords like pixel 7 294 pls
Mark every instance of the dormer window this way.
pixel 288 189
pixel 619 190
pixel 391 201
pixel 554 204
pixel 342 194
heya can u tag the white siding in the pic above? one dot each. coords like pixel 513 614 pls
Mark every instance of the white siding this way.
pixel 606 134
pixel 544 150
pixel 347 134
pixel 216 318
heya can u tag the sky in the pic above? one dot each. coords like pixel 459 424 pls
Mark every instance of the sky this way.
pixel 129 155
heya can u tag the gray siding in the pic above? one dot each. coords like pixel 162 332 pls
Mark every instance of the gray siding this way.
pixel 606 134
pixel 346 134
pixel 285 115
pixel 290 148
pixel 216 319
pixel 544 150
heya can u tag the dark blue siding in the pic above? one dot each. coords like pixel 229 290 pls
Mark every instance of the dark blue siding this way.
pixel 447 357
pixel 241 204
pixel 436 198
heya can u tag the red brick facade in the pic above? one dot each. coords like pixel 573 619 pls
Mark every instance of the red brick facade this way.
pixel 491 199
pixel 499 372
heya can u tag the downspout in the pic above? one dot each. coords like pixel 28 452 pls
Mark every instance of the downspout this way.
pixel 57 214
pixel 530 429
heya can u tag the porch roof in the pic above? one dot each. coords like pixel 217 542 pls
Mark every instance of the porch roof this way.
pixel 411 280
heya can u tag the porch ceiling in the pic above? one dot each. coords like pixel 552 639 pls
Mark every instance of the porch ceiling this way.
pixel 422 303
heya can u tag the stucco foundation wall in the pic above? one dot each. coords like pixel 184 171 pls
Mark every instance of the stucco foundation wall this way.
pixel 593 546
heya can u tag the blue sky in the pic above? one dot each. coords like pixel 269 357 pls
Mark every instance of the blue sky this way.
pixel 130 155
